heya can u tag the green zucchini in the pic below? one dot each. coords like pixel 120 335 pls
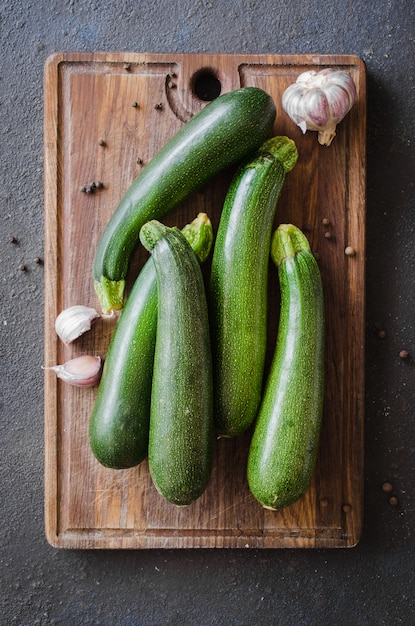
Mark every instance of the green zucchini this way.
pixel 223 133
pixel 119 423
pixel 238 284
pixel 285 441
pixel 181 415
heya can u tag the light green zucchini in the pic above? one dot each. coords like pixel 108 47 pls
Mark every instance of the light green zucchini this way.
pixel 181 415
pixel 285 442
pixel 238 284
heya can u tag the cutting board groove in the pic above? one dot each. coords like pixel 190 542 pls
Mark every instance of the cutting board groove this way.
pixel 106 114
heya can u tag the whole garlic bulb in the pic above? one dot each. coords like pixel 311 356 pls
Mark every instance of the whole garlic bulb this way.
pixel 319 101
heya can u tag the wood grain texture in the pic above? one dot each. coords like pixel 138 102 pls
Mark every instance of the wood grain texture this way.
pixel 89 97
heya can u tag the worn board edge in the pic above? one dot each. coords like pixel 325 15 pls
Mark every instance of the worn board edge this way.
pixel 350 533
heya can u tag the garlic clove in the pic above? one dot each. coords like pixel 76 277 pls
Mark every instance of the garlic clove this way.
pixel 338 104
pixel 316 109
pixel 74 321
pixel 82 371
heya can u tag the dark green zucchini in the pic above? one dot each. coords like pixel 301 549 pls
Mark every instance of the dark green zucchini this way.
pixel 222 134
pixel 119 423
pixel 238 284
pixel 285 442
pixel 181 416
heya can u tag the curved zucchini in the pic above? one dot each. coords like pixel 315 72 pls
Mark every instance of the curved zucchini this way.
pixel 285 442
pixel 238 284
pixel 181 416
pixel 119 423
pixel 223 133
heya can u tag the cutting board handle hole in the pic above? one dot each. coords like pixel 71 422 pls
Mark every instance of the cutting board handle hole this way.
pixel 206 85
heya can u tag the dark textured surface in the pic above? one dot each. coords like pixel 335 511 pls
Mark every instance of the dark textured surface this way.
pixel 372 584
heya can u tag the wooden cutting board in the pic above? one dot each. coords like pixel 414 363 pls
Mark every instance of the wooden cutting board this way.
pixel 106 115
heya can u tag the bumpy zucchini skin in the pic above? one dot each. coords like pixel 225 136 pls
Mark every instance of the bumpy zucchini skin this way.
pixel 181 416
pixel 238 284
pixel 223 133
pixel 119 423
pixel 285 442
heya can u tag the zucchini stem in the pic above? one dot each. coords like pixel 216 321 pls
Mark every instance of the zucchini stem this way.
pixel 152 232
pixel 199 233
pixel 287 241
pixel 283 149
pixel 110 293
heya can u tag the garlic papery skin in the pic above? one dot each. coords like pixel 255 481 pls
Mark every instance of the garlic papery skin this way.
pixel 74 321
pixel 82 371
pixel 319 101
